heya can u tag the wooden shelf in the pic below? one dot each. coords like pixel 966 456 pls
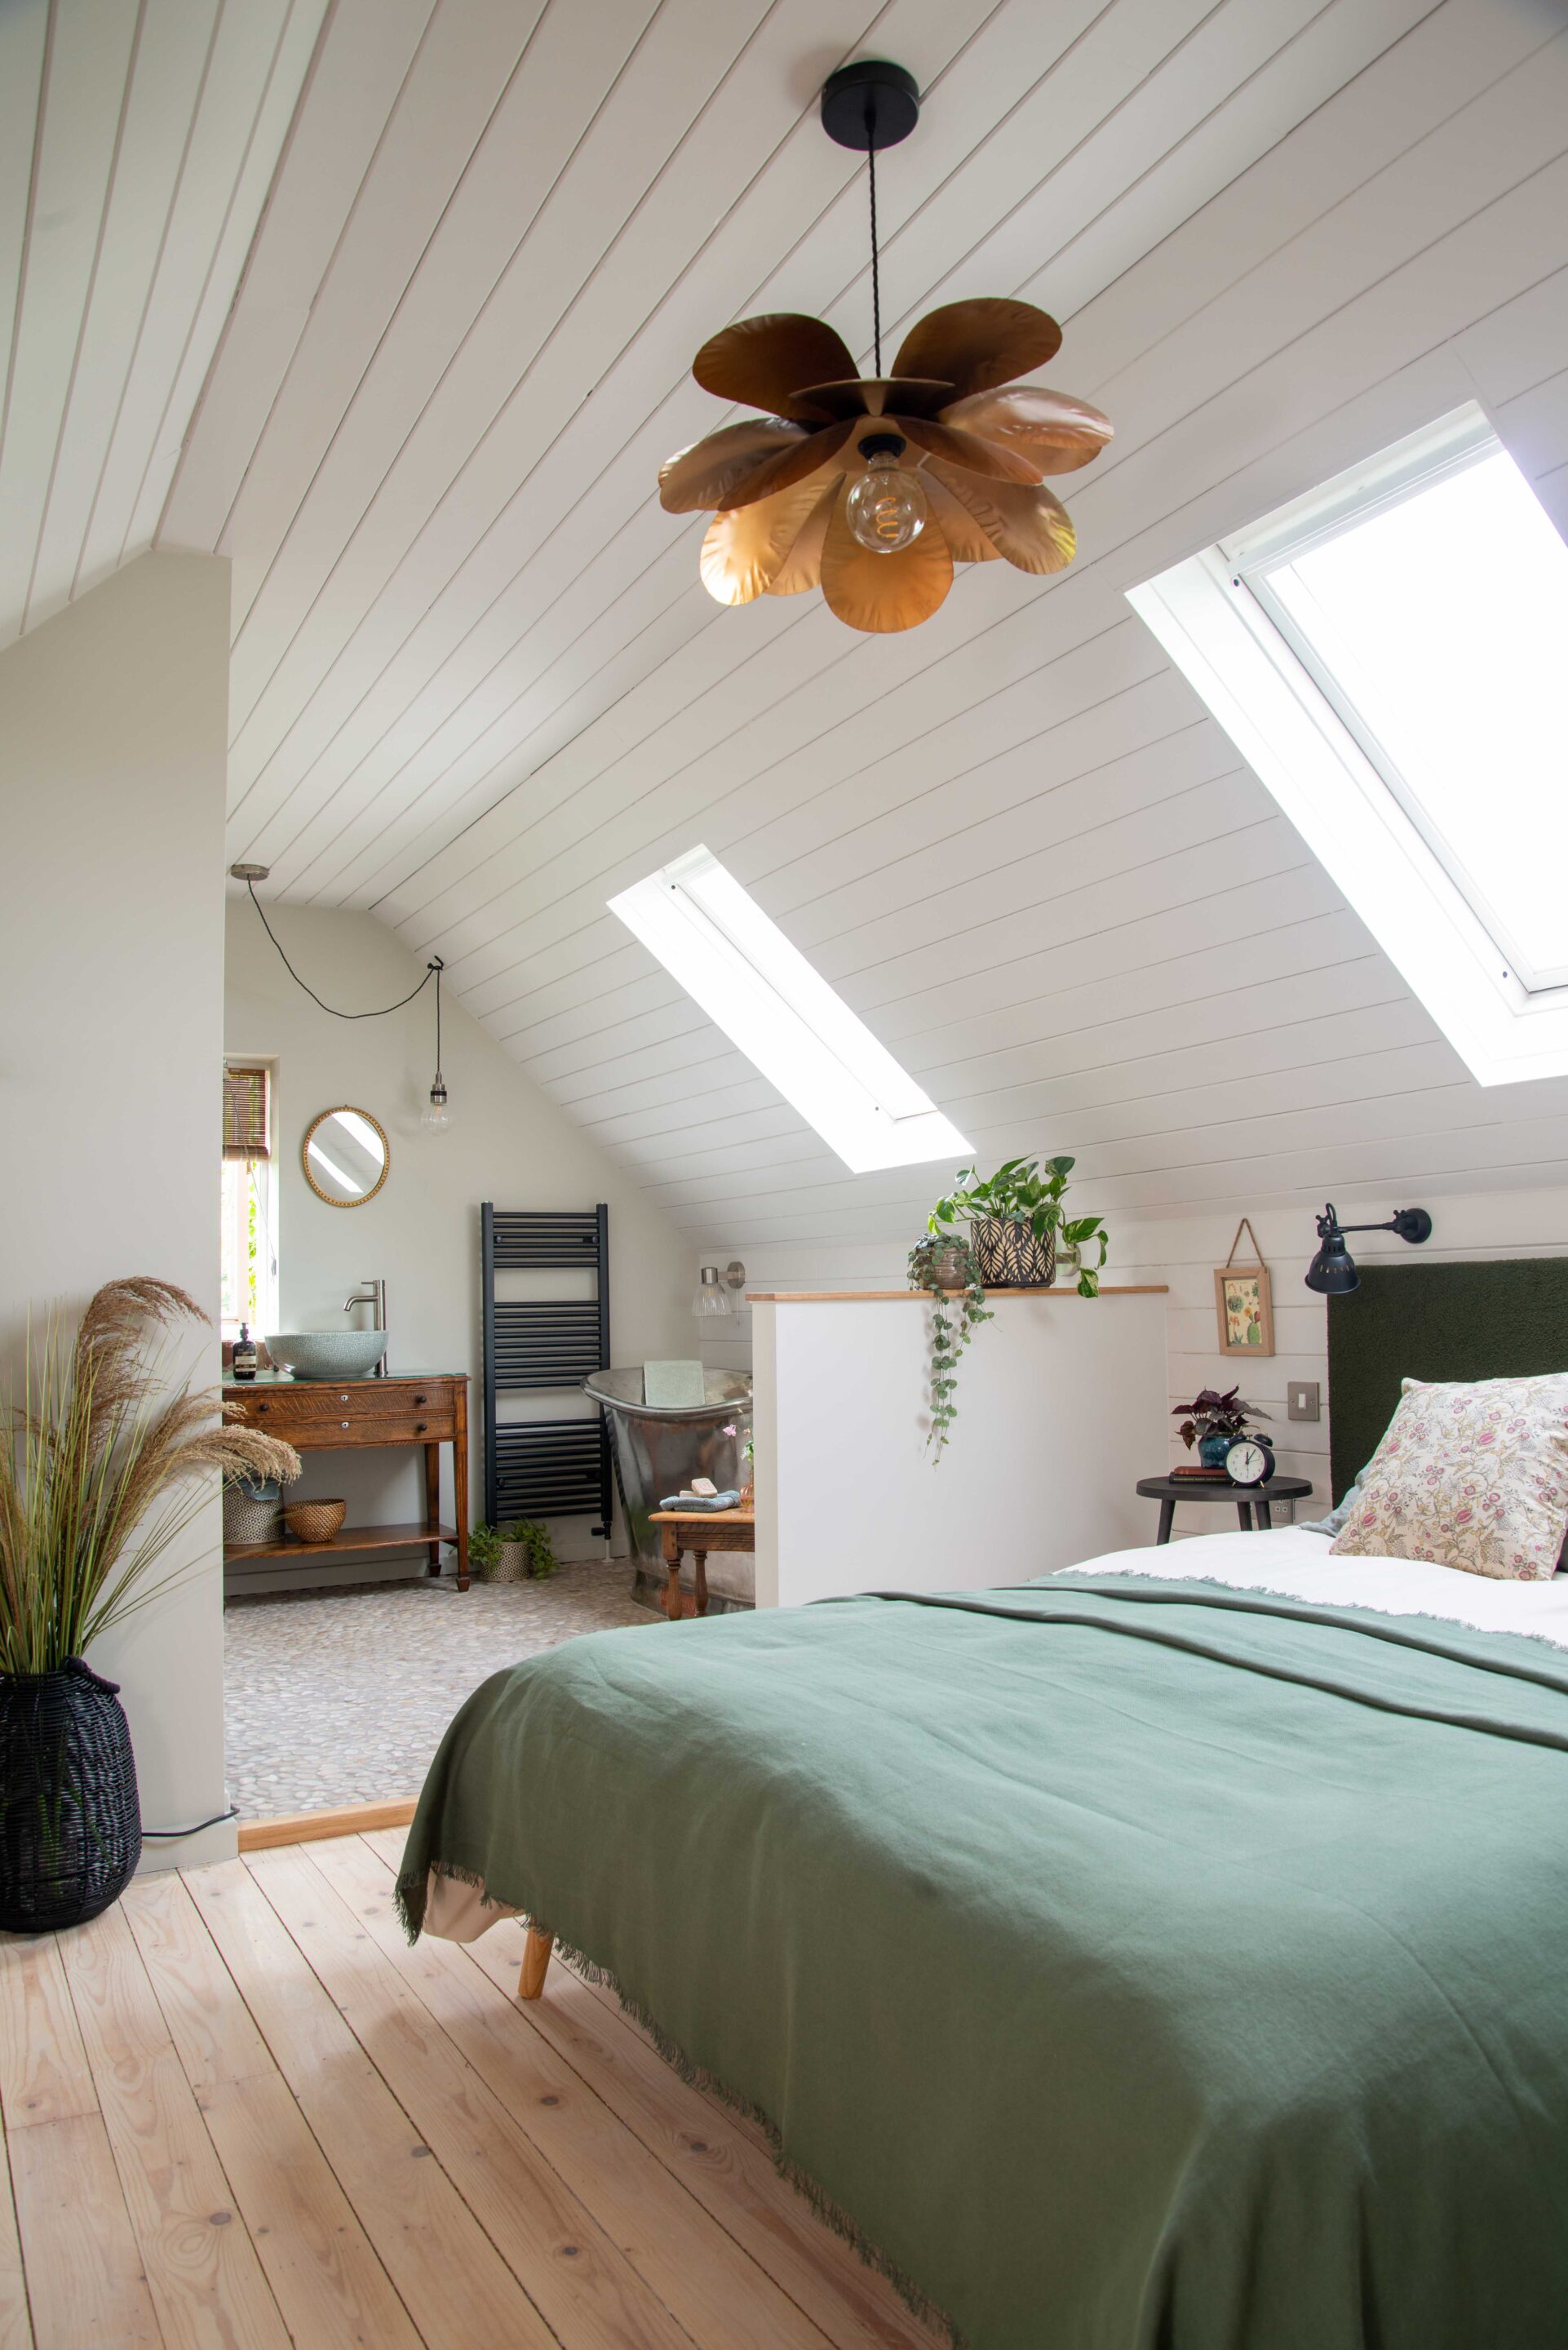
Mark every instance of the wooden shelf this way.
pixel 347 1538
pixel 911 1296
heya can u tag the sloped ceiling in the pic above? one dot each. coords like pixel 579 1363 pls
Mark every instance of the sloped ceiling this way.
pixel 138 140
pixel 477 686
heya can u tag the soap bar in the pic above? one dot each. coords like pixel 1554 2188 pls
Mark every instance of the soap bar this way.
pixel 704 1486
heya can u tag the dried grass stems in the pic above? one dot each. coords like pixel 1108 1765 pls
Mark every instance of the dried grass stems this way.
pixel 102 1471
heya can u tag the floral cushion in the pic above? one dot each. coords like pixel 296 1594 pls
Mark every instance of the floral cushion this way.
pixel 1472 1476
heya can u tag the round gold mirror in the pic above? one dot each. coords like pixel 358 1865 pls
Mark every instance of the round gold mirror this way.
pixel 346 1156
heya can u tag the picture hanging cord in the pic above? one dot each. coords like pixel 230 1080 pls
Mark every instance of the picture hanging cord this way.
pixel 1244 1226
pixel 433 970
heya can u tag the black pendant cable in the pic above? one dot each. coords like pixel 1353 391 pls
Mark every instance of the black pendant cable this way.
pixel 866 106
pixel 436 1118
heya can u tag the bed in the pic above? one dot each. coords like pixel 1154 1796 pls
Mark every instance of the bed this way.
pixel 1162 1954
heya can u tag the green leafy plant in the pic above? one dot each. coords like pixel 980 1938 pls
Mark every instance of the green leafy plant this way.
pixel 1022 1192
pixel 933 1262
pixel 484 1548
pixel 946 1265
pixel 101 1471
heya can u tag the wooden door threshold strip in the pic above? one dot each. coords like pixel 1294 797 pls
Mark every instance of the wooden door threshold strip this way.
pixel 306 1828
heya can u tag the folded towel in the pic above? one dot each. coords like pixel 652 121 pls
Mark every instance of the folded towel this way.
pixel 701 1501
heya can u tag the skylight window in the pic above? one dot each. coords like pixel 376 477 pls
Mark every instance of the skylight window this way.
pixel 1388 654
pixel 716 941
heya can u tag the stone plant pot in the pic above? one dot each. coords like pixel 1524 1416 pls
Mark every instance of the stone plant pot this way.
pixel 70 1823
pixel 511 1565
pixel 1010 1257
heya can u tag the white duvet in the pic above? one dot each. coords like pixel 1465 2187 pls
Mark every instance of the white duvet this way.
pixel 1296 1563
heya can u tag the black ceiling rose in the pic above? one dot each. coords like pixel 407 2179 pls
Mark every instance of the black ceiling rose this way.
pixel 870 104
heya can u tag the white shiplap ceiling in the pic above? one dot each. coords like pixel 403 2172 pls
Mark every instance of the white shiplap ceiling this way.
pixel 138 140
pixel 477 686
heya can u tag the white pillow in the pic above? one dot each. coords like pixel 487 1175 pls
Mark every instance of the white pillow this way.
pixel 1471 1475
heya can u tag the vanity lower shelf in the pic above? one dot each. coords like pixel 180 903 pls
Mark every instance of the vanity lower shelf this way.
pixel 347 1538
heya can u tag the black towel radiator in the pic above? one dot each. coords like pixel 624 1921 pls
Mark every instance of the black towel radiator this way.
pixel 544 1467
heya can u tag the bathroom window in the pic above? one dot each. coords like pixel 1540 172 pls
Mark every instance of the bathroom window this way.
pixel 714 938
pixel 248 1278
pixel 1386 652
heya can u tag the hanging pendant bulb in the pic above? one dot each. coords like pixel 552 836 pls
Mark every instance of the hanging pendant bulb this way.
pixel 435 1117
pixel 887 508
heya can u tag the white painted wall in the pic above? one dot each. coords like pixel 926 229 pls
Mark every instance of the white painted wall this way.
pixel 507 1143
pixel 1060 1408
pixel 112 736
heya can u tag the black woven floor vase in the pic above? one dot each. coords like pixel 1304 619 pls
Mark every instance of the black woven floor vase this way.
pixel 70 1823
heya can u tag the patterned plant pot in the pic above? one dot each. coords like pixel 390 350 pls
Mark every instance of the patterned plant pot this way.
pixel 512 1564
pixel 251 1514
pixel 1212 1451
pixel 1010 1256
pixel 70 1823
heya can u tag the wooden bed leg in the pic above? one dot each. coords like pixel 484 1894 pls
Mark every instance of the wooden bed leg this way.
pixel 535 1963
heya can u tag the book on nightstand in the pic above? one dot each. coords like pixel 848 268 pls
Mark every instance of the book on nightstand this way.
pixel 1202 1476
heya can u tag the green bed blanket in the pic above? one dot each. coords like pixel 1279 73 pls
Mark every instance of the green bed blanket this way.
pixel 1128 1965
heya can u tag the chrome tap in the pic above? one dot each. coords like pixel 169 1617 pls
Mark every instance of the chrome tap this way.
pixel 372 1294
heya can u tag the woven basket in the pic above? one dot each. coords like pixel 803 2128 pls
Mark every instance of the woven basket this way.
pixel 1010 1257
pixel 315 1521
pixel 70 1826
pixel 246 1520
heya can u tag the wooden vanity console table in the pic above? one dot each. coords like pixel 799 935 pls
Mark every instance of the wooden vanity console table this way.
pixel 341 1415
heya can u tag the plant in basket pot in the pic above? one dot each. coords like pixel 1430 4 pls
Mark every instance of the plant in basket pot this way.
pixel 1006 1231
pixel 105 1465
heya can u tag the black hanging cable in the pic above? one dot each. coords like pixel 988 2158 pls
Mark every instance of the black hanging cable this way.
pixel 876 266
pixel 162 1835
pixel 433 970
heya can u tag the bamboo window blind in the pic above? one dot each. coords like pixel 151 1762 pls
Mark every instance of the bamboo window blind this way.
pixel 247 1113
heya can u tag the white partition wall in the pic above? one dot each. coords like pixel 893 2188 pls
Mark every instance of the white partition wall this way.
pixel 1062 1407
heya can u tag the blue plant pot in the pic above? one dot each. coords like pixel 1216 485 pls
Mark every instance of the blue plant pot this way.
pixel 1212 1451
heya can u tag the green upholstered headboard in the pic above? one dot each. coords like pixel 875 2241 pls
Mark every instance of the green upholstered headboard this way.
pixel 1503 1320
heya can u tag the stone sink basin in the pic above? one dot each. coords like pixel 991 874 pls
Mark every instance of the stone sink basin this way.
pixel 328 1354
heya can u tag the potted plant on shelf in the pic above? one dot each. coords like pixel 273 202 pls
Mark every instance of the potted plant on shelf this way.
pixel 1014 1220
pixel 1001 1232
pixel 102 1469
pixel 1214 1421
pixel 520 1552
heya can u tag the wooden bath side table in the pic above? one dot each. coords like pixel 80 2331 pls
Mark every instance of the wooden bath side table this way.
pixel 698 1532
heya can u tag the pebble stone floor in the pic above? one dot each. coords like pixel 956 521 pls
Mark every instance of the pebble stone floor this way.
pixel 341 1697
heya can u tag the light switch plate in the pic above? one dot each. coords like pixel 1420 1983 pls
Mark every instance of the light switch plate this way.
pixel 1301 1403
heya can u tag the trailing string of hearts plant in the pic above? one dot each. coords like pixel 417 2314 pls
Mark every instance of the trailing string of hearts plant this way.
pixel 875 487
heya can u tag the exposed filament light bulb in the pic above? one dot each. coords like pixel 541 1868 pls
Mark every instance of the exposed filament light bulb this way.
pixel 887 507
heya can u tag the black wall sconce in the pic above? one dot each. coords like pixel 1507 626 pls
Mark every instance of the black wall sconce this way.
pixel 1333 1269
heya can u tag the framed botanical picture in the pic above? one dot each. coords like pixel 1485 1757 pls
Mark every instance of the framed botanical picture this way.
pixel 1243 1303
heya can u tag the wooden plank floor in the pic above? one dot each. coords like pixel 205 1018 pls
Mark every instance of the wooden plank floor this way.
pixel 240 2112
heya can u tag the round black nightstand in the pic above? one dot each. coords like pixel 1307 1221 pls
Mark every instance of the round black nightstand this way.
pixel 1169 1491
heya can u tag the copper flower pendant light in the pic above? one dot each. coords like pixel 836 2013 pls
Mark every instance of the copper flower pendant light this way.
pixel 875 488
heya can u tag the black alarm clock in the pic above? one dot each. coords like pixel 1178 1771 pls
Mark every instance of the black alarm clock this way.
pixel 1249 1461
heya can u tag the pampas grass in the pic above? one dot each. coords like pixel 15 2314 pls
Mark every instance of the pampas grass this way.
pixel 103 1471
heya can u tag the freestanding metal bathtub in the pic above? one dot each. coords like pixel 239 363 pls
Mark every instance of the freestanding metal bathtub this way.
pixel 659 1449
